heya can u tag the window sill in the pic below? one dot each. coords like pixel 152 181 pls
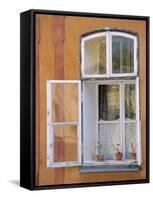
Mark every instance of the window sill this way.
pixel 110 167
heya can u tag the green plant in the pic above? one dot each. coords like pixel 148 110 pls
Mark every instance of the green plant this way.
pixel 99 146
pixel 99 155
pixel 116 147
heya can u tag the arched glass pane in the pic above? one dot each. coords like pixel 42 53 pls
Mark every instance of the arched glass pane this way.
pixel 122 54
pixel 95 56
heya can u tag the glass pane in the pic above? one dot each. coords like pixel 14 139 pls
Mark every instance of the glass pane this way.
pixel 130 141
pixel 109 102
pixel 64 102
pixel 89 122
pixel 65 143
pixel 122 54
pixel 109 140
pixel 95 56
pixel 130 102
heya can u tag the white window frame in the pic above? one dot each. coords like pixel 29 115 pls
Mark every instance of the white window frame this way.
pixel 50 125
pixel 108 35
pixel 121 121
pixel 90 37
pixel 126 35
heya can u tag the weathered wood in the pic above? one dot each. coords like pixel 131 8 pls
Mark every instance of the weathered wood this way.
pixel 71 102
pixel 58 29
pixel 65 148
pixel 57 102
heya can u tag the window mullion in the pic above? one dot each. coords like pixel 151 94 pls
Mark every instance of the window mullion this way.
pixel 65 123
pixel 97 59
pixel 135 56
pixel 82 58
pixel 122 113
pixel 108 54
pixel 97 114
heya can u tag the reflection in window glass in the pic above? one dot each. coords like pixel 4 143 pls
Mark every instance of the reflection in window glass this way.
pixel 122 55
pixel 130 104
pixel 109 102
pixel 95 56
pixel 109 135
pixel 65 143
pixel 63 102
pixel 130 140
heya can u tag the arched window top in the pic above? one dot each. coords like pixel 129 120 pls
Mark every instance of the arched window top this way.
pixel 109 54
pixel 104 30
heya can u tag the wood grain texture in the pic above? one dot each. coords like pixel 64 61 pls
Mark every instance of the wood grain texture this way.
pixel 57 102
pixel 74 27
pixel 71 102
pixel 64 98
pixel 58 28
pixel 68 136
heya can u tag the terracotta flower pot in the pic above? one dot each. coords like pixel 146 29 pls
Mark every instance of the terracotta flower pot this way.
pixel 99 157
pixel 118 156
pixel 133 156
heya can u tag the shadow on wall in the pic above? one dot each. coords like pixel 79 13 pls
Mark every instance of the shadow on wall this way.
pixel 15 182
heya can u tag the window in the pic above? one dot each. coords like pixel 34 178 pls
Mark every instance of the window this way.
pixel 95 121
pixel 111 121
pixel 110 82
pixel 109 54
pixel 63 125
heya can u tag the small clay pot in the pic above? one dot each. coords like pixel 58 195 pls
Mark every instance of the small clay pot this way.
pixel 118 156
pixel 99 157
pixel 133 156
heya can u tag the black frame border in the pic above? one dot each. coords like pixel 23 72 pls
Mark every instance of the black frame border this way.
pixel 27 98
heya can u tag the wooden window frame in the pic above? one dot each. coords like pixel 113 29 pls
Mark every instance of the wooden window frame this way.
pixel 50 125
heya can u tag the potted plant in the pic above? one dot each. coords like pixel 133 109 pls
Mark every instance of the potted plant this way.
pixel 132 151
pixel 118 153
pixel 99 156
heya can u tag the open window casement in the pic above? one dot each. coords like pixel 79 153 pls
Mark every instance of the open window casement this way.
pixel 63 123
